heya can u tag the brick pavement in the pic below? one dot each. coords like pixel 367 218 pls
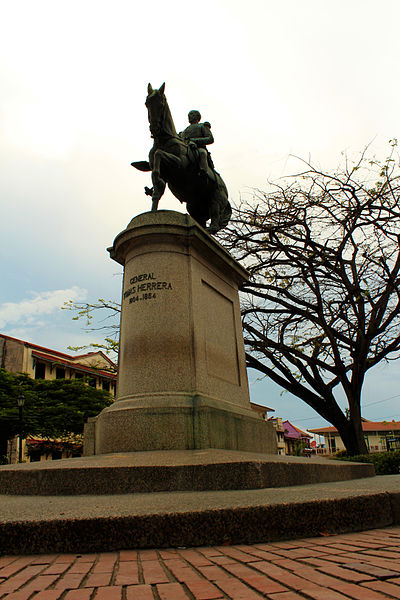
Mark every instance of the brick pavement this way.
pixel 356 566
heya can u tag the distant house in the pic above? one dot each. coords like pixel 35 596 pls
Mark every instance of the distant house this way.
pixel 38 362
pixel 262 410
pixel 280 437
pixel 380 436
pixel 295 438
pixel 288 437
pixel 276 421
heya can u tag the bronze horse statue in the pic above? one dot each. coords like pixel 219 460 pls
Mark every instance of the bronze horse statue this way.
pixel 174 161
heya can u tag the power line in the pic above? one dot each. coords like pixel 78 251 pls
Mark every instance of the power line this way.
pixel 379 401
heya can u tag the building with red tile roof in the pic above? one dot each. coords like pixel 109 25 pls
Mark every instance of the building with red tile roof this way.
pixel 39 362
pixel 380 436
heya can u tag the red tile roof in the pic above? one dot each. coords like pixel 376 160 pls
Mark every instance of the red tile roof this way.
pixel 56 352
pixel 366 425
pixel 74 365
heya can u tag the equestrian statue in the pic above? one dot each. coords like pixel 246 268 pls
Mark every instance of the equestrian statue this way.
pixel 183 162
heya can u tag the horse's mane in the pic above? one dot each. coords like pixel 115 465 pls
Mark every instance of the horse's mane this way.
pixel 168 122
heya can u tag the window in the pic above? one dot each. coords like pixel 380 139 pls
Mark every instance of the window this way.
pixel 56 455
pixel 92 382
pixel 78 375
pixel 106 385
pixel 40 371
pixel 35 456
pixel 60 373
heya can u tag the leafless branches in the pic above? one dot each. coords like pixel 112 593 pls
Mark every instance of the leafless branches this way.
pixel 322 305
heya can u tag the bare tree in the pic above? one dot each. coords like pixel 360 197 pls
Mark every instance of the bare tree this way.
pixel 322 306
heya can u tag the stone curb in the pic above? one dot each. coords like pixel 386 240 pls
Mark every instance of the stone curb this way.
pixel 247 525
pixel 246 475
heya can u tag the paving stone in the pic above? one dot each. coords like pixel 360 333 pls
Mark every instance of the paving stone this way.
pixel 79 594
pixel 69 581
pixel 22 595
pixel 294 570
pixel 195 558
pixel 148 555
pixel 109 593
pixel 98 579
pixel 80 567
pixel 204 590
pixel 285 596
pixel 234 588
pixel 139 592
pixel 369 569
pixel 232 552
pixel 48 595
pixel 346 574
pixel 153 572
pixel 171 591
pixel 385 587
pixel 127 555
pixel 358 592
pixel 42 582
pixel 214 572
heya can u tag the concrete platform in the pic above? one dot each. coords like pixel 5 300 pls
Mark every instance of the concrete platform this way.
pixel 33 524
pixel 105 522
pixel 174 470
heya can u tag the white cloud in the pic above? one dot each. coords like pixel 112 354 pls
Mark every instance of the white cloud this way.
pixel 28 311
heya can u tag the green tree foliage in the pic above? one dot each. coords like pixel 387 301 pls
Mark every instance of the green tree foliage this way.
pixel 322 306
pixel 53 408
pixel 109 312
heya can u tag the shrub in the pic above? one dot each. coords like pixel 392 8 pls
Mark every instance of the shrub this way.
pixel 341 454
pixel 385 463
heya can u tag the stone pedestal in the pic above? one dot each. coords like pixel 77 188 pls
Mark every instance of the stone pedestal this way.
pixel 182 380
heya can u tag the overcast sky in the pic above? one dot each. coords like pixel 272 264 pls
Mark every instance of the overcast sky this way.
pixel 274 78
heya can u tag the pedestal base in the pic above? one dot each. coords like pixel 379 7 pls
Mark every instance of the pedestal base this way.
pixel 177 422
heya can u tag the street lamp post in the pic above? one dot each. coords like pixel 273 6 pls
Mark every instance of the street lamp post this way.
pixel 20 402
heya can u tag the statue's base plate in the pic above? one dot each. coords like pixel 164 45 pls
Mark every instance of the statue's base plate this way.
pixel 94 504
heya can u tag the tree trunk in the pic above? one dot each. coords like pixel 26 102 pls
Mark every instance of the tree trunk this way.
pixel 353 437
pixel 350 429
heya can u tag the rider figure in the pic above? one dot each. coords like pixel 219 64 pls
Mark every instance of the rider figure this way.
pixel 198 135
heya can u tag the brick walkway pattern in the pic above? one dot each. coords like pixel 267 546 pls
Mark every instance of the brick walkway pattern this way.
pixel 359 566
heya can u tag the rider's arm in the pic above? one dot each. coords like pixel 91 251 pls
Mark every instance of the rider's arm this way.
pixel 206 138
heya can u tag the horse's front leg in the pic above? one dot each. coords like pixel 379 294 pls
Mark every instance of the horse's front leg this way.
pixel 164 159
pixel 158 182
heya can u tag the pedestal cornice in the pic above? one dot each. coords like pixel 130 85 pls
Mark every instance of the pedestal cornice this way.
pixel 161 225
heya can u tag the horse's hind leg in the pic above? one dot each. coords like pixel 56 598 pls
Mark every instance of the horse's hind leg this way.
pixel 215 208
pixel 197 214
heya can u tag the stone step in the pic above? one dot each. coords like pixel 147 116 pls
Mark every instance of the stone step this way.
pixel 94 523
pixel 171 471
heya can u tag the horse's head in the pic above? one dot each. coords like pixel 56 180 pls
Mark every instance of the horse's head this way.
pixel 159 114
